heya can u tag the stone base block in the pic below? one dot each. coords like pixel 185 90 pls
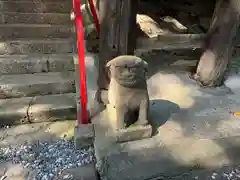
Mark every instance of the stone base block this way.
pixel 83 135
pixel 134 133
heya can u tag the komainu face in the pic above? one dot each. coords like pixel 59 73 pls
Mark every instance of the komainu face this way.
pixel 128 71
pixel 128 76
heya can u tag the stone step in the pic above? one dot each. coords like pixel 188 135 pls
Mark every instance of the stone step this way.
pixel 36 6
pixel 12 86
pixel 37 109
pixel 31 46
pixel 25 64
pixel 34 31
pixel 34 18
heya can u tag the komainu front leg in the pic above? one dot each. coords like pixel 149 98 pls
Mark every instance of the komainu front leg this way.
pixel 121 115
pixel 143 113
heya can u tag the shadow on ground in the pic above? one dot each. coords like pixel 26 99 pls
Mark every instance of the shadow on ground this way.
pixel 159 106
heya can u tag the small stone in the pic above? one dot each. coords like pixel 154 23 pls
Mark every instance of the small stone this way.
pixel 15 170
pixel 68 176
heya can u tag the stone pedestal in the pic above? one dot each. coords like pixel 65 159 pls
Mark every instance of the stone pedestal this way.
pixel 83 135
pixel 131 133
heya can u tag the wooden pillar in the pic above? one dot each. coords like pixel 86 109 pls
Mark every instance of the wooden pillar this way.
pixel 118 33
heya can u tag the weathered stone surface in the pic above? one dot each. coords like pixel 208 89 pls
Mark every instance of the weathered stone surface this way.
pixel 16 170
pixel 87 172
pixel 38 6
pixel 147 159
pixel 52 108
pixel 36 84
pixel 31 133
pixel 161 155
pixel 12 31
pixel 37 109
pixel 14 110
pixel 83 136
pixel 20 64
pixel 13 171
pixel 60 62
pixel 35 18
pixel 129 134
pixel 36 46
pixel 134 133
pixel 25 64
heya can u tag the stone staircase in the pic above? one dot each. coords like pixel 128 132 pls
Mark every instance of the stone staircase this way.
pixel 36 61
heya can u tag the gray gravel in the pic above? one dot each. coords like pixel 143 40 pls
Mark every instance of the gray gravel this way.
pixel 48 158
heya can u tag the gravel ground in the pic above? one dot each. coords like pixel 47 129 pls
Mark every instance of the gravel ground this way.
pixel 48 158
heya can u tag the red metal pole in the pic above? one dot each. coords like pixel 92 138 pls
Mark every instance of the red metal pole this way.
pixel 82 112
pixel 94 14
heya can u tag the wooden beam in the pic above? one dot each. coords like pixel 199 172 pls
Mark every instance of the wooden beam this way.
pixel 170 42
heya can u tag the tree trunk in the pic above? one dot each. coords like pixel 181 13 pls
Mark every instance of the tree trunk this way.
pixel 219 44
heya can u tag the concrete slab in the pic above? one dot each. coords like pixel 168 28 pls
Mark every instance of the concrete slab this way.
pixel 152 158
pixel 193 126
pixel 163 154
pixel 36 84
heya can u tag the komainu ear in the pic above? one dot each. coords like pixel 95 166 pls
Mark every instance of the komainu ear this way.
pixel 108 64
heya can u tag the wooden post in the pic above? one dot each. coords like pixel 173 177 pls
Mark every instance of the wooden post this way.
pixel 117 33
pixel 219 43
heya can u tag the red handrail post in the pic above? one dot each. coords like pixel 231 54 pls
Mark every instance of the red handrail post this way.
pixel 94 14
pixel 82 112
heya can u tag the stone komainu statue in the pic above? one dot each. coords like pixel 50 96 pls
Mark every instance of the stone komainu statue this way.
pixel 128 90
